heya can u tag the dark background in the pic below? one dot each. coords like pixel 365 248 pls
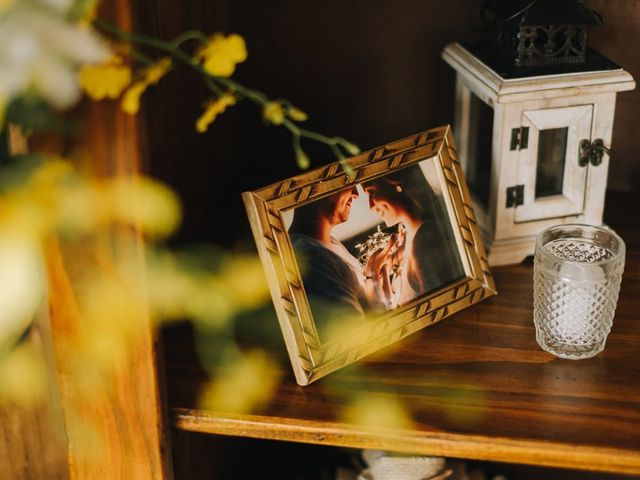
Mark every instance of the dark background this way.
pixel 369 71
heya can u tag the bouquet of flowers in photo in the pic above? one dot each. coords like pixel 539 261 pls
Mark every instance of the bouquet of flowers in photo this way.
pixel 374 242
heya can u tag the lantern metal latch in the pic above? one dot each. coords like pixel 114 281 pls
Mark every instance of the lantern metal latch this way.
pixel 515 196
pixel 519 138
pixel 591 152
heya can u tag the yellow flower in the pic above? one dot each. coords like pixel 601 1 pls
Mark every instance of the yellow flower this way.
pixel 244 385
pixel 220 54
pixel 378 411
pixel 155 72
pixel 106 80
pixel 273 112
pixel 131 98
pixel 150 76
pixel 143 203
pixel 6 5
pixel 23 376
pixel 212 110
pixel 296 114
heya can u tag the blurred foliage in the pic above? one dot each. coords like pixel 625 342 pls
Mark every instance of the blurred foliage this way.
pixel 64 234
pixel 379 411
pixel 243 382
pixel 46 204
pixel 22 376
pixel 61 231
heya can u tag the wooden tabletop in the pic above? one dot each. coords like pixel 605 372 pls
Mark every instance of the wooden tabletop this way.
pixel 477 385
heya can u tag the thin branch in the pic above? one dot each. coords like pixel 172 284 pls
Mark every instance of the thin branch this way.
pixel 213 82
pixel 212 86
pixel 187 36
pixel 141 57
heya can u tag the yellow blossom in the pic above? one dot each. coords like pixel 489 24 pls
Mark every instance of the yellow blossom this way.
pixel 150 76
pixel 131 98
pixel 212 110
pixel 144 203
pixel 378 411
pixel 243 281
pixel 220 54
pixel 245 385
pixel 22 376
pixel 273 112
pixel 106 80
pixel 155 72
pixel 6 4
pixel 296 114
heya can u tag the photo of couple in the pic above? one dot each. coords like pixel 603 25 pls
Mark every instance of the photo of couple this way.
pixel 374 247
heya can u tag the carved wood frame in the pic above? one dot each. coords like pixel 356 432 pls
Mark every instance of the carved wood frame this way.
pixel 312 359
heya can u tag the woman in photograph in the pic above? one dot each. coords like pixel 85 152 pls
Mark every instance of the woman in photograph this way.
pixel 423 254
pixel 332 277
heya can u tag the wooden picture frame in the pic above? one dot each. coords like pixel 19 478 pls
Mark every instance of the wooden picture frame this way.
pixel 431 154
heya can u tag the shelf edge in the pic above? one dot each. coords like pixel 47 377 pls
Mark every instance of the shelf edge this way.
pixel 473 447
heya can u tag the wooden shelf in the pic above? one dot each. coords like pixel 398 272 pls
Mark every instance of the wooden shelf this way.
pixel 477 384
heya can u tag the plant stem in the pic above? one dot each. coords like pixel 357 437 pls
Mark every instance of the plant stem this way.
pixel 186 36
pixel 212 86
pixel 256 96
pixel 212 81
pixel 141 57
pixel 336 151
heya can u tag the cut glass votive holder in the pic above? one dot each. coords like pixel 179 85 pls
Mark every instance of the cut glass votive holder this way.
pixel 576 280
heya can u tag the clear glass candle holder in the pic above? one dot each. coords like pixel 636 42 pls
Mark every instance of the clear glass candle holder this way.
pixel 576 280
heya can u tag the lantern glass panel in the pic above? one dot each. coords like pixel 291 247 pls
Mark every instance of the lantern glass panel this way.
pixel 478 171
pixel 552 150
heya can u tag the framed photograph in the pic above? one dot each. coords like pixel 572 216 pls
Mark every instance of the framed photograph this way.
pixel 357 261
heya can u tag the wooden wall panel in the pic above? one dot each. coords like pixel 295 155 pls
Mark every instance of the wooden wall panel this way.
pixel 619 39
pixel 33 442
pixel 368 71
pixel 127 417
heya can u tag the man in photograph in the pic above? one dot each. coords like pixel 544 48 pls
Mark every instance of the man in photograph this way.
pixel 332 277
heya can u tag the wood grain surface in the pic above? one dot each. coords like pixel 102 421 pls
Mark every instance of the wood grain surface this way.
pixel 125 419
pixel 33 440
pixel 477 385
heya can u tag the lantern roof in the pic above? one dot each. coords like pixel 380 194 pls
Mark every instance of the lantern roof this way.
pixel 541 12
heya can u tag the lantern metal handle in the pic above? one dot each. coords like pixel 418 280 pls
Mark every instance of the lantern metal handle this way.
pixel 488 9
pixel 592 152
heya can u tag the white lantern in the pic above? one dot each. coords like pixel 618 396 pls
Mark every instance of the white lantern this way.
pixel 535 150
